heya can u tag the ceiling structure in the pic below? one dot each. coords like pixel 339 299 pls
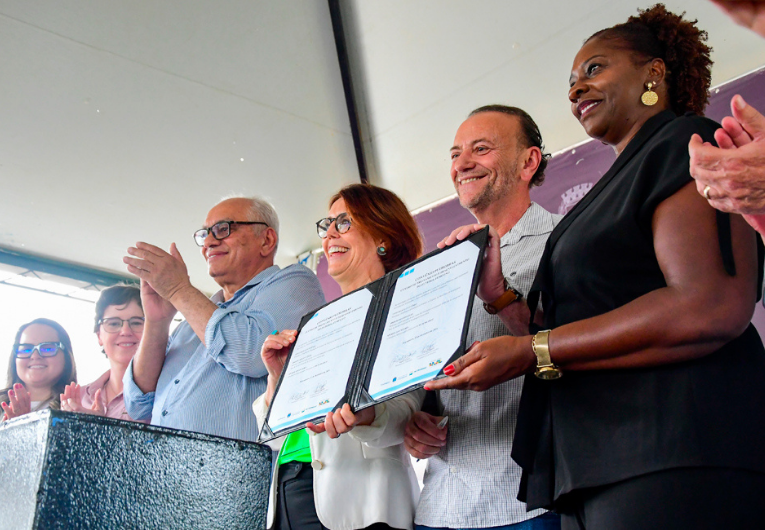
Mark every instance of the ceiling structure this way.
pixel 126 121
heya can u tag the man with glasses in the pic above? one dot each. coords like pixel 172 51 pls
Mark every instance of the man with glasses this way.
pixel 205 376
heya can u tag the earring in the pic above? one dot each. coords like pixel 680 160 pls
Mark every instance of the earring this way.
pixel 381 250
pixel 649 97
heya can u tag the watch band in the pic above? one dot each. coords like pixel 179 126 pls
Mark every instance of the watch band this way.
pixel 508 297
pixel 540 343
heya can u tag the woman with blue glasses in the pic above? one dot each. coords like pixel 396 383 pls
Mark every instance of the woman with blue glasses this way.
pixel 40 367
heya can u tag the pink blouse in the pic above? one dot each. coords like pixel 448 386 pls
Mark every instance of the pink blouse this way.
pixel 115 408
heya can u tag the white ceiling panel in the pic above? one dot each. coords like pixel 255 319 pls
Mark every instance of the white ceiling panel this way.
pixel 128 121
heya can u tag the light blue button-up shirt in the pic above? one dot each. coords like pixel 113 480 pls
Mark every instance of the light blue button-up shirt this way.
pixel 210 389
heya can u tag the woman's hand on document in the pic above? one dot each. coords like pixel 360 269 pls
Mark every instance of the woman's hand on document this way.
pixel 275 350
pixel 343 420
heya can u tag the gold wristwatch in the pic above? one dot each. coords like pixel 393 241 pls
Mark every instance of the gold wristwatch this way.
pixel 545 368
pixel 508 297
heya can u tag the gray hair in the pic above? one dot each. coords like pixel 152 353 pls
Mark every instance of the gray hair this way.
pixel 260 210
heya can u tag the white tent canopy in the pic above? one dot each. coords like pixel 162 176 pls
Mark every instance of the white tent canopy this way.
pixel 127 121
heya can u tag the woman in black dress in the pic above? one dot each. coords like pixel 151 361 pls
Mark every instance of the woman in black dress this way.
pixel 659 418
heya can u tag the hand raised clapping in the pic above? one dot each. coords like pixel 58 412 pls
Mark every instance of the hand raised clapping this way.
pixel 71 401
pixel 20 402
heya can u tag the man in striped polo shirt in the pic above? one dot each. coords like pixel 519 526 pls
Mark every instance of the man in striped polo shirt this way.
pixel 471 481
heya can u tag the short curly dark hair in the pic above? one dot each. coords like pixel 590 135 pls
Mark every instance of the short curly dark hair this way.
pixel 656 33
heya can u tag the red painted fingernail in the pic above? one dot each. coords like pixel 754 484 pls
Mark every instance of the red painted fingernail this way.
pixel 426 387
pixel 449 370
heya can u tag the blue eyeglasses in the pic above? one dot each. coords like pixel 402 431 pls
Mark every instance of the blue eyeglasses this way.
pixel 45 349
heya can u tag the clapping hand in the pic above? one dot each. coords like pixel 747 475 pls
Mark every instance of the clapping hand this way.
pixel 732 176
pixel 71 401
pixel 20 402
pixel 165 272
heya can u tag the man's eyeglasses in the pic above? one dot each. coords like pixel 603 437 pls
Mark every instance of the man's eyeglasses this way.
pixel 114 324
pixel 220 230
pixel 342 224
pixel 45 349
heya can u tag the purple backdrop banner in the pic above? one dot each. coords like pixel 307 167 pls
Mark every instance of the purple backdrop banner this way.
pixel 570 175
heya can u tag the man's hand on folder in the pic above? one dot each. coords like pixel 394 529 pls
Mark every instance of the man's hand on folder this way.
pixel 492 283
pixel 343 420
pixel 488 363
pixel 491 287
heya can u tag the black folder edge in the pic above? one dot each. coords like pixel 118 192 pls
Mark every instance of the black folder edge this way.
pixel 356 393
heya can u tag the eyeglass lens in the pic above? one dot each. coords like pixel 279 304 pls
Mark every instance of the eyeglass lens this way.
pixel 219 231
pixel 342 224
pixel 45 349
pixel 114 324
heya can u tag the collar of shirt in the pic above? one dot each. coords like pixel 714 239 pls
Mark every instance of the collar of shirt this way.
pixel 98 384
pixel 534 222
pixel 258 278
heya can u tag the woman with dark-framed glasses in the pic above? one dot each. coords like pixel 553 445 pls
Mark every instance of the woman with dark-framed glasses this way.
pixel 41 365
pixel 364 479
pixel 119 328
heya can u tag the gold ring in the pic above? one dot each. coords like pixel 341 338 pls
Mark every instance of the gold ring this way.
pixel 706 192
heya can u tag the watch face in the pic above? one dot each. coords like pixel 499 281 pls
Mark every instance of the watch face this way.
pixel 548 373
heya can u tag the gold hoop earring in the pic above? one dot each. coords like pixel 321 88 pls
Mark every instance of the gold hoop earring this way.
pixel 649 97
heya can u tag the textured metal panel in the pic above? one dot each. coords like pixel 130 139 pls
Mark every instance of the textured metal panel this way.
pixel 105 473
pixel 21 460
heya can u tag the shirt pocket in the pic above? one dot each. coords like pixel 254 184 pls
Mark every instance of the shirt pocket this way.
pixel 393 452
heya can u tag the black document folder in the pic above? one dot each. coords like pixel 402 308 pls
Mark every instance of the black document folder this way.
pixel 414 321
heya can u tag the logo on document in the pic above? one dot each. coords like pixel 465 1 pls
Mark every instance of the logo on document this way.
pixel 407 273
pixel 436 362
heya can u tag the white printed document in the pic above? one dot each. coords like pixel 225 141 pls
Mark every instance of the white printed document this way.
pixel 424 325
pixel 385 339
pixel 315 378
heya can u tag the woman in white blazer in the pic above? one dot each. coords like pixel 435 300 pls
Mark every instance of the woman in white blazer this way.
pixel 365 478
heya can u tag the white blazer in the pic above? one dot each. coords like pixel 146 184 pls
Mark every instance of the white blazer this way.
pixel 363 477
